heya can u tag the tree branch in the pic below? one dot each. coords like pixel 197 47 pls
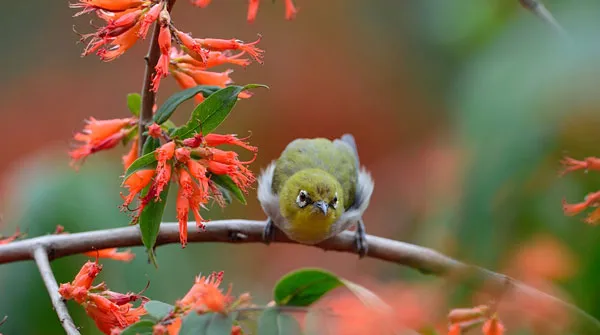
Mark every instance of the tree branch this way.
pixel 539 10
pixel 148 95
pixel 422 259
pixel 41 259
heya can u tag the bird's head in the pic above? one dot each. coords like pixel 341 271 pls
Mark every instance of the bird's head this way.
pixel 311 200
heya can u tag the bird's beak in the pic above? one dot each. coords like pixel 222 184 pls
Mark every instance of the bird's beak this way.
pixel 322 206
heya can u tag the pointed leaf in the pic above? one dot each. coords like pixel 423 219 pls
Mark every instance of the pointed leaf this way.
pixel 157 309
pixel 167 109
pixel 274 322
pixel 134 103
pixel 150 220
pixel 227 183
pixel 143 327
pixel 212 111
pixel 226 194
pixel 208 324
pixel 304 287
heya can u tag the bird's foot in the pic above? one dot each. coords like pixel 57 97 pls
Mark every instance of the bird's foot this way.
pixel 269 232
pixel 360 240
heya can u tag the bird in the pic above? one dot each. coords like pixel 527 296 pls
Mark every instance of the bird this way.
pixel 315 190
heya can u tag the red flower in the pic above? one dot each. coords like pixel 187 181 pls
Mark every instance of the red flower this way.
pixel 100 135
pixel 150 17
pixel 454 330
pixel 164 42
pixel 252 10
pixel 154 131
pixel 589 163
pixel 493 327
pixel 214 44
pixel 112 253
pixel 213 140
pixel 591 200
pixel 136 183
pixel 109 316
pixel 206 296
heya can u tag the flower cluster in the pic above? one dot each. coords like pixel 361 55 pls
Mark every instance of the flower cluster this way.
pixel 205 296
pixel 129 20
pixel 467 318
pixel 592 200
pixel 290 8
pixel 111 311
pixel 190 163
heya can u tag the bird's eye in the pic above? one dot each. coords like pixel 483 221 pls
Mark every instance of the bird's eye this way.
pixel 302 198
pixel 334 202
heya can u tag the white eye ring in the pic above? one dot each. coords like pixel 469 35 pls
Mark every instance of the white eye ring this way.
pixel 302 198
pixel 334 202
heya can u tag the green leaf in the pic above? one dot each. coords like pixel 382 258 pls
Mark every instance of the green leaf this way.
pixel 170 105
pixel 304 287
pixel 226 194
pixel 146 162
pixel 149 222
pixel 227 183
pixel 206 324
pixel 143 327
pixel 211 112
pixel 158 309
pixel 134 103
pixel 274 322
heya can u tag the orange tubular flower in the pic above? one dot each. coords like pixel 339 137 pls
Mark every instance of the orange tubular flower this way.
pixel 214 44
pixel 111 5
pixel 205 295
pixel 200 3
pixel 182 208
pixel 136 183
pixel 220 79
pixel 454 330
pixel 132 155
pixel 163 169
pixel 589 163
pixel 290 10
pixel 591 200
pixel 213 140
pixel 493 327
pixel 112 253
pixel 240 175
pixel 120 44
pixel 252 10
pixel 192 46
pixel 164 41
pixel 109 316
pixel 149 18
pixel 99 135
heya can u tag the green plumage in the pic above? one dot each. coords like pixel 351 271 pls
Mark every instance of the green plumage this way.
pixel 338 159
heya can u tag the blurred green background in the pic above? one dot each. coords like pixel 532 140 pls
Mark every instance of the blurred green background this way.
pixel 461 109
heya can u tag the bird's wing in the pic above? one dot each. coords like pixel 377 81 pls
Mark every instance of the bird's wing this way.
pixel 364 190
pixel 348 139
pixel 269 201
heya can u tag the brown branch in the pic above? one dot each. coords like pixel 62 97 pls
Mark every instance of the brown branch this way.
pixel 41 259
pixel 246 231
pixel 148 95
pixel 539 10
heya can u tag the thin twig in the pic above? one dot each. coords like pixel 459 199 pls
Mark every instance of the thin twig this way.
pixel 539 10
pixel 41 259
pixel 148 95
pixel 423 259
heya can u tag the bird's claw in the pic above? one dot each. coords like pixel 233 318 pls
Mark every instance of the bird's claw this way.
pixel 268 234
pixel 360 240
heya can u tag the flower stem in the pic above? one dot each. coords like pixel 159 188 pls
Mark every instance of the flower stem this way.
pixel 149 96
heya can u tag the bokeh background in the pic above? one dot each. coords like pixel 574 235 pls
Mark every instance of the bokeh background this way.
pixel 461 109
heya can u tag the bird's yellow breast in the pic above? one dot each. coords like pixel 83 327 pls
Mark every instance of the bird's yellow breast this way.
pixel 310 228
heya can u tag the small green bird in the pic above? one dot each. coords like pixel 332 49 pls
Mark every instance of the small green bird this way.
pixel 316 190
